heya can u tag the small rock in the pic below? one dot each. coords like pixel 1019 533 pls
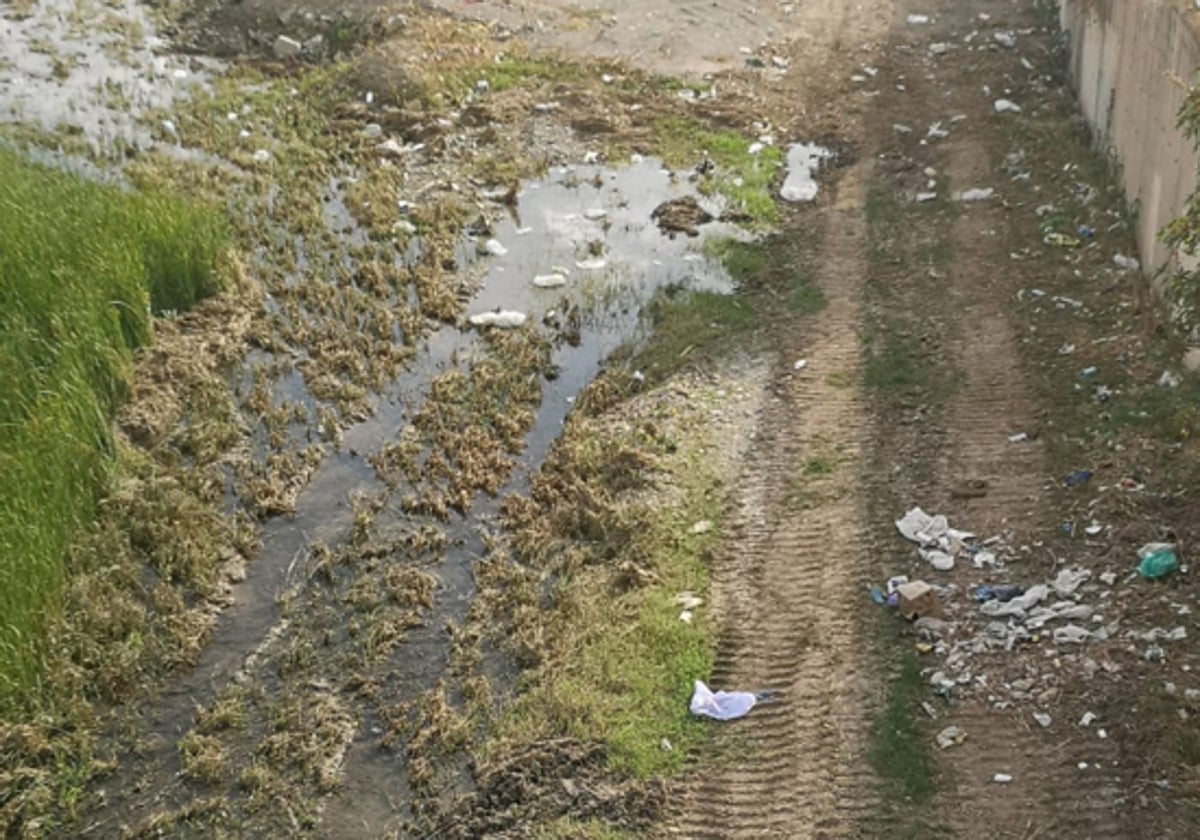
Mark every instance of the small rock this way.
pixel 1042 719
pixel 286 47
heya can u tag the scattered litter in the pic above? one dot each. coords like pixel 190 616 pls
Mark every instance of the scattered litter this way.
pixel 1169 379
pixel 501 319
pixel 594 264
pixel 1089 372
pixel 1006 106
pixel 1077 478
pixel 595 214
pixel 923 197
pixel 1017 605
pixel 951 736
pixel 901 129
pixel 493 247
pixel 1061 240
pixel 549 281
pixel 803 160
pixel 918 599
pixel 261 156
pixel 1019 437
pixel 1127 263
pixel 939 48
pixel 918 20
pixel 941 561
pixel 1042 719
pixel 1108 578
pixel 1004 39
pixel 701 527
pixel 1176 634
pixel 720 705
pixel 977 194
pixel 1157 560
pixel 1069 580
pixel 1093 530
pixel 800 364
pixel 986 559
pixel 996 592
pixel 1071 634
pixel 1002 778
pixel 688 600
pixel 1087 719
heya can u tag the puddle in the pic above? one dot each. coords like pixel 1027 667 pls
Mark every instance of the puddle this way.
pixel 803 161
pixel 592 226
pixel 91 68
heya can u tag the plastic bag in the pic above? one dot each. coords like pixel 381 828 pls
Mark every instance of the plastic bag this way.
pixel 1157 560
pixel 720 705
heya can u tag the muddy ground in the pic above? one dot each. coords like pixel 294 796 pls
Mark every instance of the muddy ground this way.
pixel 427 527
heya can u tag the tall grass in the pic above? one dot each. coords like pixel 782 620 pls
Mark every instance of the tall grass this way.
pixel 83 266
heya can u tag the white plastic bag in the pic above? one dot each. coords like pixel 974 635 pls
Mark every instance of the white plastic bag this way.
pixel 720 705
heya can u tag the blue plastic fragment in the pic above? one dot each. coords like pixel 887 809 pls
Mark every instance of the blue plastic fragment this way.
pixel 1076 478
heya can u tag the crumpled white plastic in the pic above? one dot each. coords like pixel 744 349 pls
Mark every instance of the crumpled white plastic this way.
pixel 1017 606
pixel 926 530
pixel 502 319
pixel 1069 580
pixel 720 705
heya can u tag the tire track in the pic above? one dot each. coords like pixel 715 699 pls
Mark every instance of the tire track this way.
pixel 788 583
pixel 1056 797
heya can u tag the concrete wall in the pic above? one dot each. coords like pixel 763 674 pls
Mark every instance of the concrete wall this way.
pixel 1129 61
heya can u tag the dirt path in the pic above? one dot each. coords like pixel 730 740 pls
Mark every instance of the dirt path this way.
pixel 322 707
pixel 789 578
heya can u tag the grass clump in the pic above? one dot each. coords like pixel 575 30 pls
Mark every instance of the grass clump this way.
pixel 83 266
pixel 743 178
pixel 745 261
pixel 896 363
pixel 900 752
pixel 687 323
pixel 611 661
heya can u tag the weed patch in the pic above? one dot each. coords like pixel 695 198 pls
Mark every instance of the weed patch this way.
pixel 900 752
pixel 691 323
pixel 743 178
pixel 82 266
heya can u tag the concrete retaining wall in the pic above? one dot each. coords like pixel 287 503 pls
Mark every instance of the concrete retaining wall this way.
pixel 1129 61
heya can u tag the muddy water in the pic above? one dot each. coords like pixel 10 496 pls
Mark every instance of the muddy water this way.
pixel 592 226
pixel 91 68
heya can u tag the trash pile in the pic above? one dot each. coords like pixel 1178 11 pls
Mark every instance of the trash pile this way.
pixel 966 629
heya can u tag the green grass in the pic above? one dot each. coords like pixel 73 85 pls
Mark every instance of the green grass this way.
pixel 803 296
pixel 896 363
pixel 745 261
pixel 82 267
pixel 900 751
pixel 691 323
pixel 744 179
pixel 619 663
pixel 819 465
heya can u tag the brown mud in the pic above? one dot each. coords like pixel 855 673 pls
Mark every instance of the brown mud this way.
pixel 351 679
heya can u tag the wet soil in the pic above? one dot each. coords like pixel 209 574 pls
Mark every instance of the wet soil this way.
pixel 337 652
